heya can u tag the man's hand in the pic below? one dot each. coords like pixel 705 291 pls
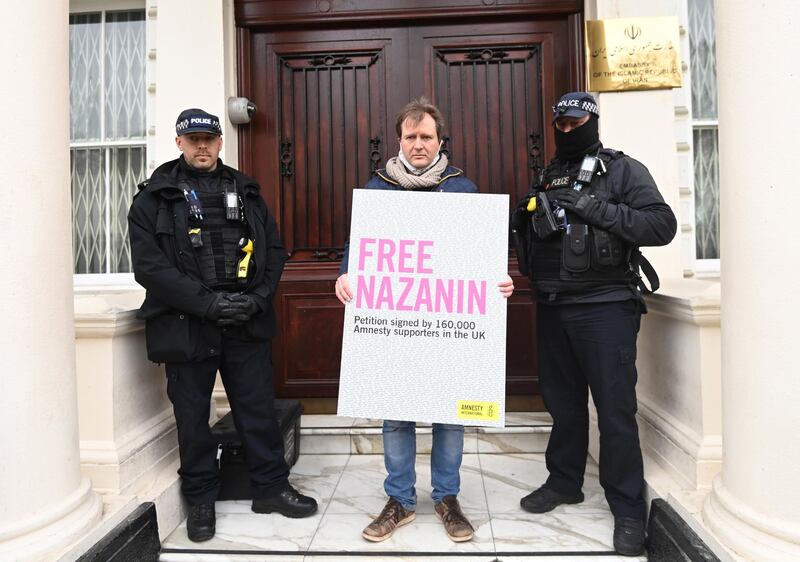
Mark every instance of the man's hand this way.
pixel 219 306
pixel 242 308
pixel 520 218
pixel 522 204
pixel 587 208
pixel 248 302
pixel 506 286
pixel 226 311
pixel 342 287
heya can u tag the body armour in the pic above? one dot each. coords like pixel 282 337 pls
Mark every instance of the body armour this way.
pixel 579 259
pixel 216 239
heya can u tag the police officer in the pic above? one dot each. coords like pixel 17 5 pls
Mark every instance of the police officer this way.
pixel 207 250
pixel 578 235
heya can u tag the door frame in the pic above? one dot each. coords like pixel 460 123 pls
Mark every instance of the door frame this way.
pixel 270 13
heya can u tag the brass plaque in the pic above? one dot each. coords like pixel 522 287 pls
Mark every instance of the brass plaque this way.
pixel 633 54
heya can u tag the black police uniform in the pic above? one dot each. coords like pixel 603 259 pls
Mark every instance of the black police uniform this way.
pixel 185 260
pixel 585 281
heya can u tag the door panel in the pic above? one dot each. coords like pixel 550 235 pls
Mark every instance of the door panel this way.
pixel 328 128
pixel 309 350
pixel 327 97
pixel 330 113
pixel 486 94
pixel 493 83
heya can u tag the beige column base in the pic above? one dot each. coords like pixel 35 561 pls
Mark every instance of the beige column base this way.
pixel 52 530
pixel 752 535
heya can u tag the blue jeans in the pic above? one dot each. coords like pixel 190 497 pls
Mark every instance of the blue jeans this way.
pixel 399 455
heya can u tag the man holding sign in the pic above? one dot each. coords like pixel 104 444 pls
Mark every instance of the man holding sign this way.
pixel 419 166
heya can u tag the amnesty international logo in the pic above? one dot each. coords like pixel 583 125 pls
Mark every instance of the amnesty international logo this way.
pixel 472 410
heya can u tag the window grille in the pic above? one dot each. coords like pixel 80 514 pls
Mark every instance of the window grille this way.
pixel 107 134
pixel 705 125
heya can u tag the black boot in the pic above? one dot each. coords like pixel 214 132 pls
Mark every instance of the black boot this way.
pixel 628 536
pixel 544 499
pixel 289 503
pixel 202 522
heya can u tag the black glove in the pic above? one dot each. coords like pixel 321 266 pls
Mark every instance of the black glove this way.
pixel 522 205
pixel 520 216
pixel 227 311
pixel 248 303
pixel 244 307
pixel 586 207
pixel 519 219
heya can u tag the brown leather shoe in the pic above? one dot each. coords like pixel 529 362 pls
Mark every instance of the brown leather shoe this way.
pixel 394 515
pixel 458 528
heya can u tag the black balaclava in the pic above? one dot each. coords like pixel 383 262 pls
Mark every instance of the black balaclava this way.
pixel 578 142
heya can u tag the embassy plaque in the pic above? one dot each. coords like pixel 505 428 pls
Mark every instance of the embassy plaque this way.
pixel 424 337
pixel 633 54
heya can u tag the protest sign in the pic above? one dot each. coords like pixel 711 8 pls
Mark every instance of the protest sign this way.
pixel 425 334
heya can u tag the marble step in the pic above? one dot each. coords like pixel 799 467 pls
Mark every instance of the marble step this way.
pixel 525 432
pixel 349 489
pixel 395 557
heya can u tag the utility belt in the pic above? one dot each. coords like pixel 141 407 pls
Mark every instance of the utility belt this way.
pixel 581 257
pixel 584 248
pixel 580 252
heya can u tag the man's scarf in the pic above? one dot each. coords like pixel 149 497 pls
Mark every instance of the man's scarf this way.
pixel 408 180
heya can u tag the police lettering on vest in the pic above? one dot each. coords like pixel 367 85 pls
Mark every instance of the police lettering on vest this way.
pixel 559 182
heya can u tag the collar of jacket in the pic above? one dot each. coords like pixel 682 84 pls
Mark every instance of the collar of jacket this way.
pixel 164 180
pixel 449 172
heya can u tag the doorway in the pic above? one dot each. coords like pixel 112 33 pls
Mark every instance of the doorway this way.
pixel 328 85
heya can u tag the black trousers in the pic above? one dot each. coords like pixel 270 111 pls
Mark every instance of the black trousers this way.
pixel 246 370
pixel 586 347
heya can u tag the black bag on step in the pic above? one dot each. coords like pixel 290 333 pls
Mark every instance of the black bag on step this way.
pixel 234 480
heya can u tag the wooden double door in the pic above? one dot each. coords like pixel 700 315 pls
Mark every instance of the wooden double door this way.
pixel 328 89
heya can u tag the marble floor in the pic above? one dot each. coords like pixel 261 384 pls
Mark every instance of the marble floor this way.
pixel 349 489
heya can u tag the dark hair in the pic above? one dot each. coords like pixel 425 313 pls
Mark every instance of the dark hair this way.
pixel 415 111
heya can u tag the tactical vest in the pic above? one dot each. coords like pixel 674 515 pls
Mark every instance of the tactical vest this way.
pixel 580 257
pixel 216 240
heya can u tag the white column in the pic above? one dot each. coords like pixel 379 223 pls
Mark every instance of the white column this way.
pixel 754 507
pixel 45 504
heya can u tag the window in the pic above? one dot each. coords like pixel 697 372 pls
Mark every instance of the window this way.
pixel 107 134
pixel 705 138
